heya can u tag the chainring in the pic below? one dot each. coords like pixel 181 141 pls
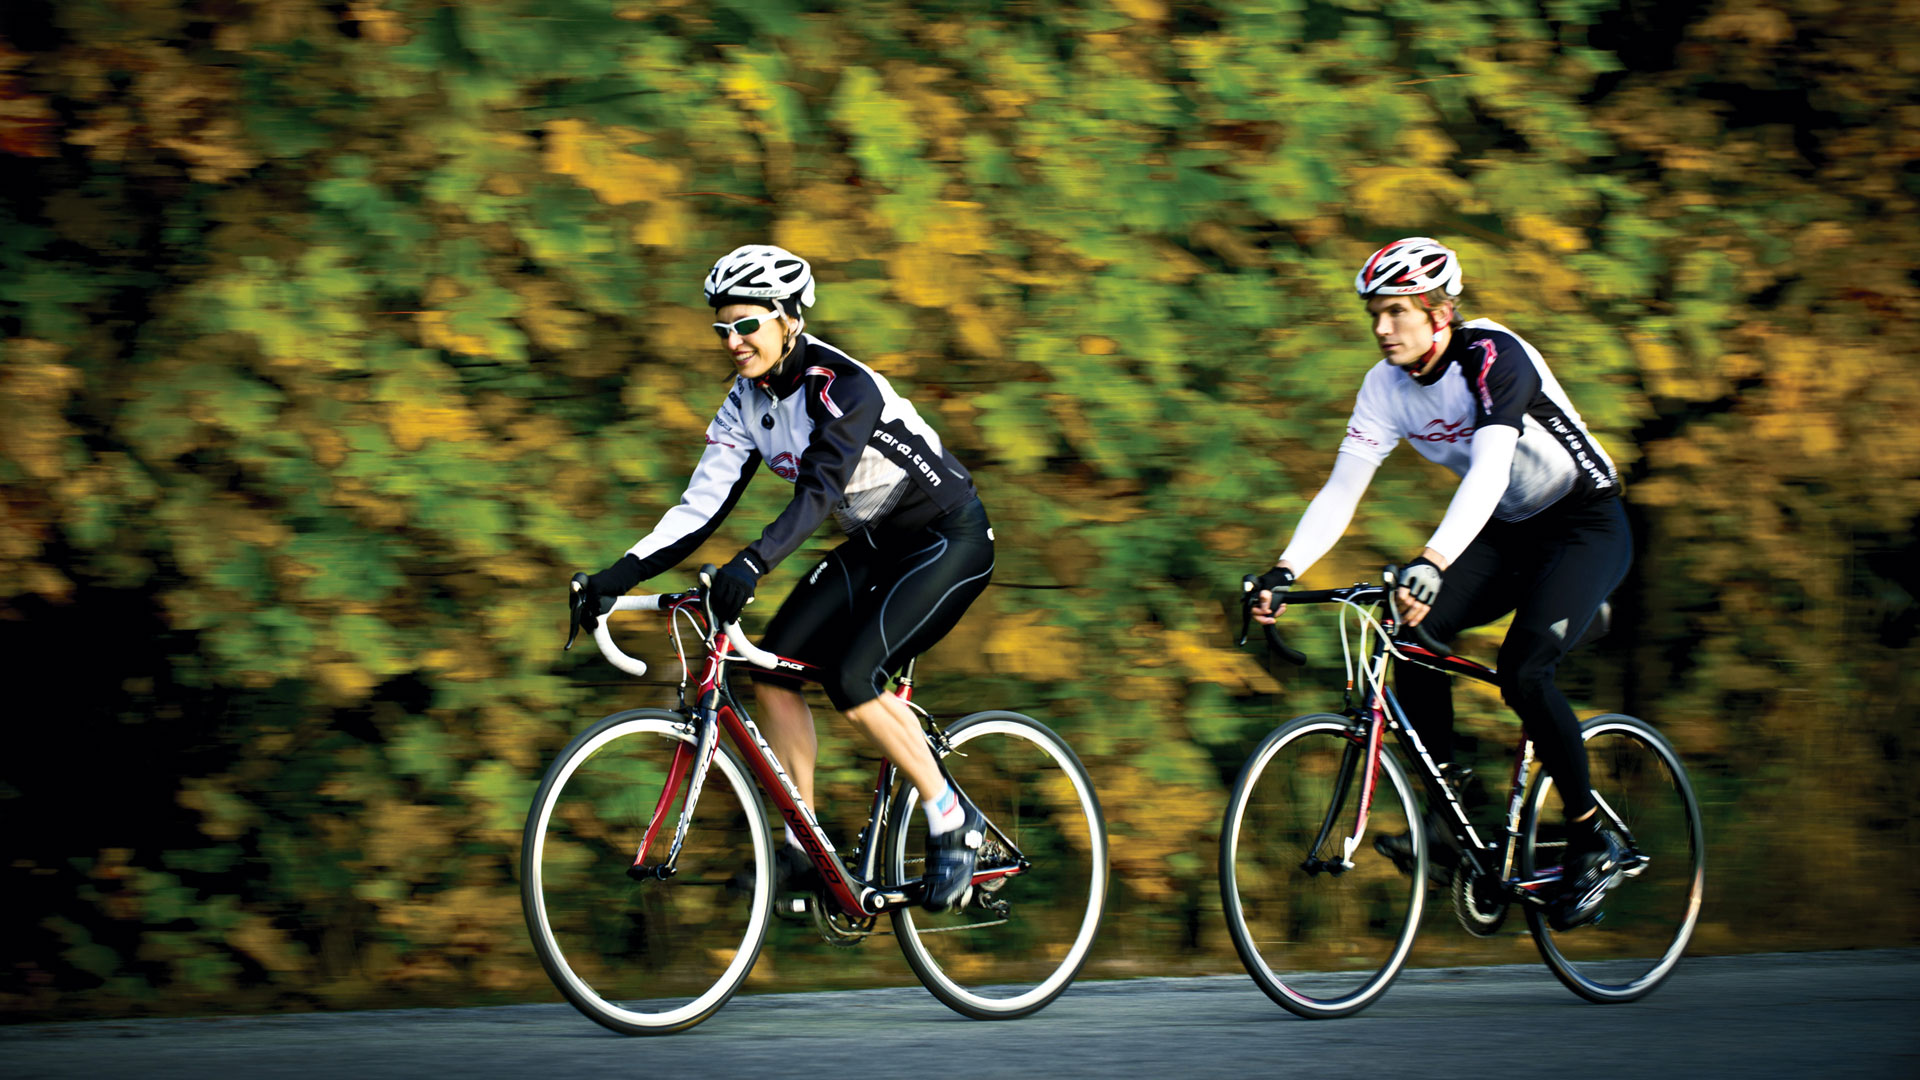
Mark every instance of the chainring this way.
pixel 1479 913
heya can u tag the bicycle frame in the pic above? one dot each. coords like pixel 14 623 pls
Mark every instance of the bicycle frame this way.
pixel 715 710
pixel 1380 711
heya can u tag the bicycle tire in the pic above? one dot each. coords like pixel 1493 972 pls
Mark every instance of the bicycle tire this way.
pixel 1647 920
pixel 1031 786
pixel 1345 936
pixel 646 957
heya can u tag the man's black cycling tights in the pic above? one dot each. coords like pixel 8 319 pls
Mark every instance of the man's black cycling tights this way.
pixel 1552 571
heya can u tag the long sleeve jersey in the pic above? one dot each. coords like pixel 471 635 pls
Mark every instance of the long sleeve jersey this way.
pixel 832 427
pixel 1489 377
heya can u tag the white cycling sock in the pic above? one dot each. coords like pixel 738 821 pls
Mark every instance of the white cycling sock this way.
pixel 943 812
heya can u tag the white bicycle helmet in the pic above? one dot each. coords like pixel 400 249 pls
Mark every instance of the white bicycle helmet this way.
pixel 761 272
pixel 1409 267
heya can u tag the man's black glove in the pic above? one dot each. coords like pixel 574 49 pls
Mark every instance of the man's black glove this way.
pixel 603 588
pixel 1277 581
pixel 1421 579
pixel 732 587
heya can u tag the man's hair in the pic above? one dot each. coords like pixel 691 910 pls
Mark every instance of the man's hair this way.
pixel 1433 298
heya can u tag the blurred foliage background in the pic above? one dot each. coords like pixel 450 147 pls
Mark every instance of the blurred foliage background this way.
pixel 337 333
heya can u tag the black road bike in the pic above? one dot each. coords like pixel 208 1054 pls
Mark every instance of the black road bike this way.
pixel 1324 922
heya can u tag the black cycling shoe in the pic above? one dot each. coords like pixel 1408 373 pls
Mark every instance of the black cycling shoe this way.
pixel 1442 856
pixel 1586 878
pixel 793 875
pixel 794 872
pixel 951 857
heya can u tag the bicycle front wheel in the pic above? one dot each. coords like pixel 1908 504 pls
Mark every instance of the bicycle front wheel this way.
pixel 1321 938
pixel 1020 939
pixel 652 956
pixel 1649 916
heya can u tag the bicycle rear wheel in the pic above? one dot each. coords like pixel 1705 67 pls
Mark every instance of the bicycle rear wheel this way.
pixel 1320 940
pixel 1649 916
pixel 645 957
pixel 1019 940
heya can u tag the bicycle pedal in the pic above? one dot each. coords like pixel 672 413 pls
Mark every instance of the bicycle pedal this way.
pixel 794 908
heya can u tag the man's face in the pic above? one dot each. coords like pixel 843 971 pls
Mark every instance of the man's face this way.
pixel 1403 329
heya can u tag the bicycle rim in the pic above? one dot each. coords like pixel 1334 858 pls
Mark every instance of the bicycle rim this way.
pixel 644 957
pixel 1321 944
pixel 1647 919
pixel 984 963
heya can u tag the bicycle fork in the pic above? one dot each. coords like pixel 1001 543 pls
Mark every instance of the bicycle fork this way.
pixel 685 757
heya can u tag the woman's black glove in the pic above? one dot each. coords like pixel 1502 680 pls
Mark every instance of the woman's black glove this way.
pixel 1421 579
pixel 731 588
pixel 603 588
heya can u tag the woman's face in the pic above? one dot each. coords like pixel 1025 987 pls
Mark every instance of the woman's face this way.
pixel 754 354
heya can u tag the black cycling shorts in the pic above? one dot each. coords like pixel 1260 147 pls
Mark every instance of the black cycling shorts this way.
pixel 879 600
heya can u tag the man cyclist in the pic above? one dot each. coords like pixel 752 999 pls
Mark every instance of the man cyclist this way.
pixel 1535 527
pixel 920 548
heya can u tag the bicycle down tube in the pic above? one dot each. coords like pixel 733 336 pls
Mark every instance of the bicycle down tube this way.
pixel 716 711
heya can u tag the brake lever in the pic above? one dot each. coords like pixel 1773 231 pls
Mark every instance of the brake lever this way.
pixel 576 601
pixel 1248 595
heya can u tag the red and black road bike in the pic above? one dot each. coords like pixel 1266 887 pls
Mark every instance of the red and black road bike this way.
pixel 648 870
pixel 1324 922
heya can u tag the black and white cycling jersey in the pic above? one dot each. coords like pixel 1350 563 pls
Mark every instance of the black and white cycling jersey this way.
pixel 1489 376
pixel 1489 379
pixel 835 429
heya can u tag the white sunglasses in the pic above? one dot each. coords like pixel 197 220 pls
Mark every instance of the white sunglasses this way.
pixel 744 326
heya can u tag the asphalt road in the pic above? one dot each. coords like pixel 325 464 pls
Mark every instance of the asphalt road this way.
pixel 1808 1014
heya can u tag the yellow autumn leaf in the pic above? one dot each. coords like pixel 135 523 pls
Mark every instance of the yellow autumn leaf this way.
pixel 345 682
pixel 269 946
pixel 668 224
pixel 1554 235
pixel 1142 10
pixel 924 277
pixel 1205 659
pixel 36 389
pixel 412 422
pixel 1424 145
pixel 1391 194
pixel 977 331
pixel 1022 646
pixel 598 161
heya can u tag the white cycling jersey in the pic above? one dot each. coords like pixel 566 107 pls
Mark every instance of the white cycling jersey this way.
pixel 1489 377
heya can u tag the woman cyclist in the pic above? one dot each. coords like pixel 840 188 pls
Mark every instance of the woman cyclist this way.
pixel 1535 527
pixel 919 547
